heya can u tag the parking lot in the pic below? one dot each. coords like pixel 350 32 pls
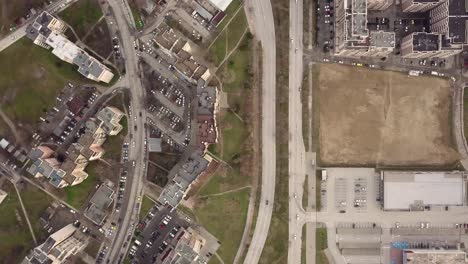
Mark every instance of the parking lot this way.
pixel 353 190
pixel 159 232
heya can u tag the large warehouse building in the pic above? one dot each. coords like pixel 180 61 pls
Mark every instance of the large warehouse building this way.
pixel 414 190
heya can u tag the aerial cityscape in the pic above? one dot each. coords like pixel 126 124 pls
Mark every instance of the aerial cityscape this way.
pixel 230 131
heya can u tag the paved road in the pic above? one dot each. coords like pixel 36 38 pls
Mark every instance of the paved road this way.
pixel 297 154
pixel 263 28
pixel 20 32
pixel 129 209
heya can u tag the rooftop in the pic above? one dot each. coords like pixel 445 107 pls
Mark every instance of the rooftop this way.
pixel 423 256
pixel 404 190
pixel 425 41
pixel 382 39
pixel 99 203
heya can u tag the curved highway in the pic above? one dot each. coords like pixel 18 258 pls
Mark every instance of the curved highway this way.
pixel 264 29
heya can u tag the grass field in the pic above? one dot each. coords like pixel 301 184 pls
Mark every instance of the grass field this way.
pixel 15 239
pixel 146 205
pixel 370 117
pixel 12 10
pixel 228 38
pixel 224 217
pixel 136 13
pixel 321 244
pixel 36 202
pixel 39 77
pixel 82 15
pixel 77 195
pixel 230 11
pixel 218 50
pixel 113 144
pixel 225 179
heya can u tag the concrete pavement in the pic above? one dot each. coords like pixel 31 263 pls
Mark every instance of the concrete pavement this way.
pixel 262 25
pixel 297 154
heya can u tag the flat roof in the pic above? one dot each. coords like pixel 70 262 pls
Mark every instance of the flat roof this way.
pixel 382 39
pixel 404 189
pixel 221 4
pixel 422 256
pixel 425 41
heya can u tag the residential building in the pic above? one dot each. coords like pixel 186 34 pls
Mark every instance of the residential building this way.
pixel 450 19
pixel 79 154
pixel 48 32
pixel 174 192
pixel 414 190
pixel 110 118
pixel 379 4
pixel 58 247
pixel 353 38
pixel 414 6
pixel 101 200
pixel 427 45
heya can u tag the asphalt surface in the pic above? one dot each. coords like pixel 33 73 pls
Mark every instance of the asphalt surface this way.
pixel 263 27
pixel 20 32
pixel 297 153
pixel 129 209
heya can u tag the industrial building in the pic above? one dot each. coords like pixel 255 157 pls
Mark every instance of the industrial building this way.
pixel 48 32
pixel 425 256
pixel 416 190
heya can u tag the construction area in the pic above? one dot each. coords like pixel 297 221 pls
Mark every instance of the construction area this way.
pixel 382 118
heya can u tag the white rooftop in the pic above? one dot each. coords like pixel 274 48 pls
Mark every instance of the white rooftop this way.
pixel 221 4
pixel 405 188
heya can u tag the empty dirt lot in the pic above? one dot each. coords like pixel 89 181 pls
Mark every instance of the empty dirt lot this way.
pixel 370 117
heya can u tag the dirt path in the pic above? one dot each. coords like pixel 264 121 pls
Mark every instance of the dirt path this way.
pixel 234 49
pixel 10 125
pixel 226 192
pixel 25 214
pixel 225 27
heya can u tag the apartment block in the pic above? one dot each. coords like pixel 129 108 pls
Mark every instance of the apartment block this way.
pixel 428 45
pixel 450 18
pixel 48 32
pixel 58 247
pixel 413 6
pixel 110 118
pixel 79 154
pixel 379 4
pixel 353 38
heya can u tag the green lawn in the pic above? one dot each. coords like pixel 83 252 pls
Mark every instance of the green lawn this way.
pixel 146 206
pixel 234 132
pixel 224 217
pixel 38 78
pixel 228 38
pixel 36 202
pixel 235 29
pixel 321 244
pixel 113 144
pixel 225 180
pixel 82 16
pixel 218 49
pixel 15 238
pixel 77 195
pixel 214 260
pixel 136 14
pixel 235 72
pixel 230 10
